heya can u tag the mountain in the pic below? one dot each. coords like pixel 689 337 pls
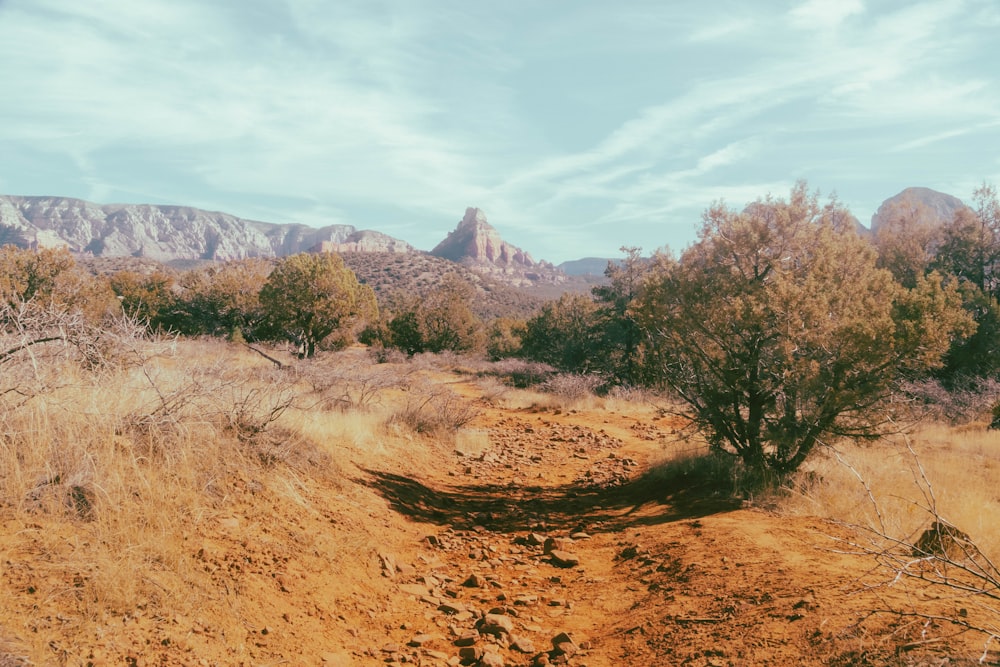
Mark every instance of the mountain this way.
pixel 587 266
pixel 931 208
pixel 478 245
pixel 169 233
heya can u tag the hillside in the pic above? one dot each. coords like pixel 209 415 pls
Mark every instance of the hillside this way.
pixel 530 527
pixel 396 277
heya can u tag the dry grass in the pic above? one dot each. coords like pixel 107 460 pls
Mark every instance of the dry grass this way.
pixel 962 466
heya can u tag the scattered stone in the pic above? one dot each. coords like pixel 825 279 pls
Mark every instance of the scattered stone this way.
pixel 474 581
pixel 491 659
pixel 467 640
pixel 563 644
pixel 421 639
pixel 564 558
pixel 496 624
pixel 470 653
pixel 521 644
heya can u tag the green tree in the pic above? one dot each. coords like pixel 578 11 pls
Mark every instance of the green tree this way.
pixel 907 241
pixel 148 297
pixel 440 320
pixel 308 297
pixel 446 322
pixel 970 252
pixel 504 338
pixel 620 337
pixel 777 330
pixel 564 335
pixel 224 299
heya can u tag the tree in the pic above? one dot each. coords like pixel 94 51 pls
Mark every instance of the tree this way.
pixel 49 279
pixel 619 334
pixel 563 334
pixel 907 241
pixel 150 298
pixel 225 299
pixel 440 320
pixel 970 252
pixel 308 297
pixel 777 330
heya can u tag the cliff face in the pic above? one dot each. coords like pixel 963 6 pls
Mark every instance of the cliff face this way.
pixel 166 233
pixel 477 244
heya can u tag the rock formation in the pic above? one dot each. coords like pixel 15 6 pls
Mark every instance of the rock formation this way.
pixel 932 208
pixel 167 233
pixel 477 244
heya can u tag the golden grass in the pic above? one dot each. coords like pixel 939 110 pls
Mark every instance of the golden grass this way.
pixel 937 467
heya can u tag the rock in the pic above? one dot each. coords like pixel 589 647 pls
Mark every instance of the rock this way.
pixel 561 558
pixel 421 639
pixel 555 543
pixel 522 644
pixel 491 659
pixel 466 640
pixel 474 581
pixel 470 653
pixel 451 607
pixel 496 624
pixel 166 233
pixel 563 644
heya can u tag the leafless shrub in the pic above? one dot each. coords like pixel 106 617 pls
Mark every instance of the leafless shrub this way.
pixel 386 355
pixel 492 390
pixel 943 562
pixel 571 385
pixel 354 388
pixel 520 373
pixel 956 406
pixel 434 410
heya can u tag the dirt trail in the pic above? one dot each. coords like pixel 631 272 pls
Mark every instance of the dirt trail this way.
pixel 546 540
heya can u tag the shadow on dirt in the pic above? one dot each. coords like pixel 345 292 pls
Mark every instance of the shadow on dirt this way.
pixel 659 496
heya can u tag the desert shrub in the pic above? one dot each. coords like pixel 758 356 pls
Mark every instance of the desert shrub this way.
pixel 520 373
pixel 571 385
pixel 431 410
pixel 353 386
pixel 970 401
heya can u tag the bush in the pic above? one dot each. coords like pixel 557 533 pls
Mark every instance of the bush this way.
pixel 434 410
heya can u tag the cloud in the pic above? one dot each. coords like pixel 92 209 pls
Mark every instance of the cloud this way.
pixel 824 14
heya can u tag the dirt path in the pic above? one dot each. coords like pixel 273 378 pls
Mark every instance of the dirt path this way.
pixel 555 545
pixel 543 536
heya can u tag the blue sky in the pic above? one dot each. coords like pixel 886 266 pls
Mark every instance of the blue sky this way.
pixel 578 127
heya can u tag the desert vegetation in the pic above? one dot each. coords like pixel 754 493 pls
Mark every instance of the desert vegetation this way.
pixel 209 466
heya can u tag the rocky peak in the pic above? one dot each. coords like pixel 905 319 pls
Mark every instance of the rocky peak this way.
pixel 476 241
pixel 478 244
pixel 928 207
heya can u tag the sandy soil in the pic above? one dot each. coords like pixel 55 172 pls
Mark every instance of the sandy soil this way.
pixel 546 539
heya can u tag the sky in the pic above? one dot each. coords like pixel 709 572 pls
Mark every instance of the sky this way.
pixel 578 127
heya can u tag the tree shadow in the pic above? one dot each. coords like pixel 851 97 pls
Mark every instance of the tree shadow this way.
pixel 661 495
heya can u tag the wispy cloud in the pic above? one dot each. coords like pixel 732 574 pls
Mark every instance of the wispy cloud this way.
pixel 572 127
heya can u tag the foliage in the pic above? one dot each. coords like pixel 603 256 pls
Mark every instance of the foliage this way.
pixel 617 332
pixel 503 338
pixel 563 334
pixel 150 298
pixel 906 241
pixel 49 278
pixel 308 297
pixel 440 321
pixel 776 329
pixel 224 300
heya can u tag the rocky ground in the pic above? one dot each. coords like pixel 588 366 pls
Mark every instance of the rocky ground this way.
pixel 550 539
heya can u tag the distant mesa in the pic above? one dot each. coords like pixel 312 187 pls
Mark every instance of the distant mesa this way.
pixel 170 233
pixel 931 208
pixel 587 266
